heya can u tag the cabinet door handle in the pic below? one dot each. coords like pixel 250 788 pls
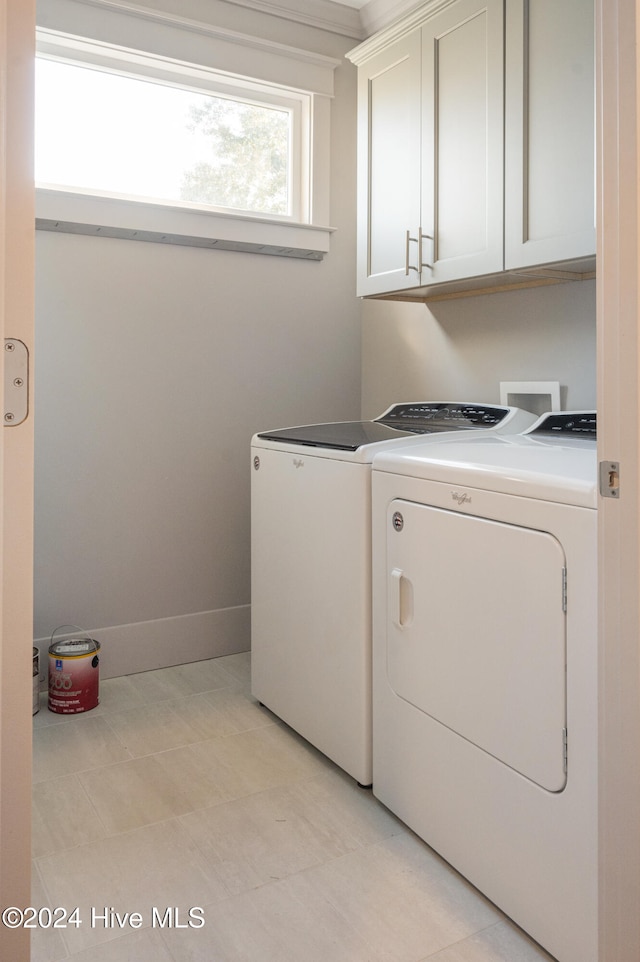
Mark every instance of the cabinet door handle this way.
pixel 424 263
pixel 407 266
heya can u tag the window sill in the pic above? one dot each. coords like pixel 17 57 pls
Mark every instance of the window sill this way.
pixel 157 222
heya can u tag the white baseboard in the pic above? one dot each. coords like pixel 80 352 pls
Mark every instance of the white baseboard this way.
pixel 127 649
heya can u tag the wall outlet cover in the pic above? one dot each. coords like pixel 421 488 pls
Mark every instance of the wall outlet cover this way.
pixel 538 397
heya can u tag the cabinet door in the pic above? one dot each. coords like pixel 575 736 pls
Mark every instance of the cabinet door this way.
pixel 389 167
pixel 462 176
pixel 549 125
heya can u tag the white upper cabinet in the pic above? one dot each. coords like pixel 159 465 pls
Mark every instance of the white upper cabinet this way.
pixel 389 170
pixel 475 142
pixel 549 131
pixel 462 141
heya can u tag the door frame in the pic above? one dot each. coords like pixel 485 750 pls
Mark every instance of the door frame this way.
pixel 618 306
pixel 17 40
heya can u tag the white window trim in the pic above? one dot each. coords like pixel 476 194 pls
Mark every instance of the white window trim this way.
pixel 69 212
pixel 117 216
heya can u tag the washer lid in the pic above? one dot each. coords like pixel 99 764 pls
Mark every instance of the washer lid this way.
pixel 339 436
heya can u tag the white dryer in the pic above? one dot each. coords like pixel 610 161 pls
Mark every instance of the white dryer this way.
pixel 311 565
pixel 484 665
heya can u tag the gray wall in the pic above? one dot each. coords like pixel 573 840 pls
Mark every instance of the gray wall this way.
pixel 155 365
pixel 461 349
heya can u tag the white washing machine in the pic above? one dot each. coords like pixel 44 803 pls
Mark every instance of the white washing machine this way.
pixel 311 566
pixel 484 666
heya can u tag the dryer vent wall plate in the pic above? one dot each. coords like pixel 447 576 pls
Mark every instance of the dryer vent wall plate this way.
pixel 538 397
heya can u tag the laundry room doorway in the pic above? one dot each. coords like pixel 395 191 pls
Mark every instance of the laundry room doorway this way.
pixel 618 163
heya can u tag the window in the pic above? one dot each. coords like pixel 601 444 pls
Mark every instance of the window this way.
pixel 165 142
pixel 119 134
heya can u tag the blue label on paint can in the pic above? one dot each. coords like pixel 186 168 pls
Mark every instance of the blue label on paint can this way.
pixel 58 664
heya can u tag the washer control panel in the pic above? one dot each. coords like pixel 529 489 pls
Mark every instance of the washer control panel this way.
pixel 431 415
pixel 577 424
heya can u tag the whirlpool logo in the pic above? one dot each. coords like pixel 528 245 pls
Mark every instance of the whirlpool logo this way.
pixel 461 498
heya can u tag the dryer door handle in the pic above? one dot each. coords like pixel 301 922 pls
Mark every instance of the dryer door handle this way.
pixel 401 596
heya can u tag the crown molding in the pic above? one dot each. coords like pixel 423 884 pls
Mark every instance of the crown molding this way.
pixel 417 14
pixel 379 14
pixel 322 14
pixel 374 15
pixel 326 15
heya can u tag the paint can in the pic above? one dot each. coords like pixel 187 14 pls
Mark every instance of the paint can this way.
pixel 74 673
pixel 36 680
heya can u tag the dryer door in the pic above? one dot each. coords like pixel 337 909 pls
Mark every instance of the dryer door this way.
pixel 476 633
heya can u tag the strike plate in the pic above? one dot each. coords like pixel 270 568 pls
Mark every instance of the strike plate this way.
pixel 610 479
pixel 16 382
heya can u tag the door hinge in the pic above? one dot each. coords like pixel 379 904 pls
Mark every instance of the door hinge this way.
pixel 564 590
pixel 609 472
pixel 564 750
pixel 16 382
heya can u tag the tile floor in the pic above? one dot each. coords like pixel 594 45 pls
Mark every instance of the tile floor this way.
pixel 179 792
